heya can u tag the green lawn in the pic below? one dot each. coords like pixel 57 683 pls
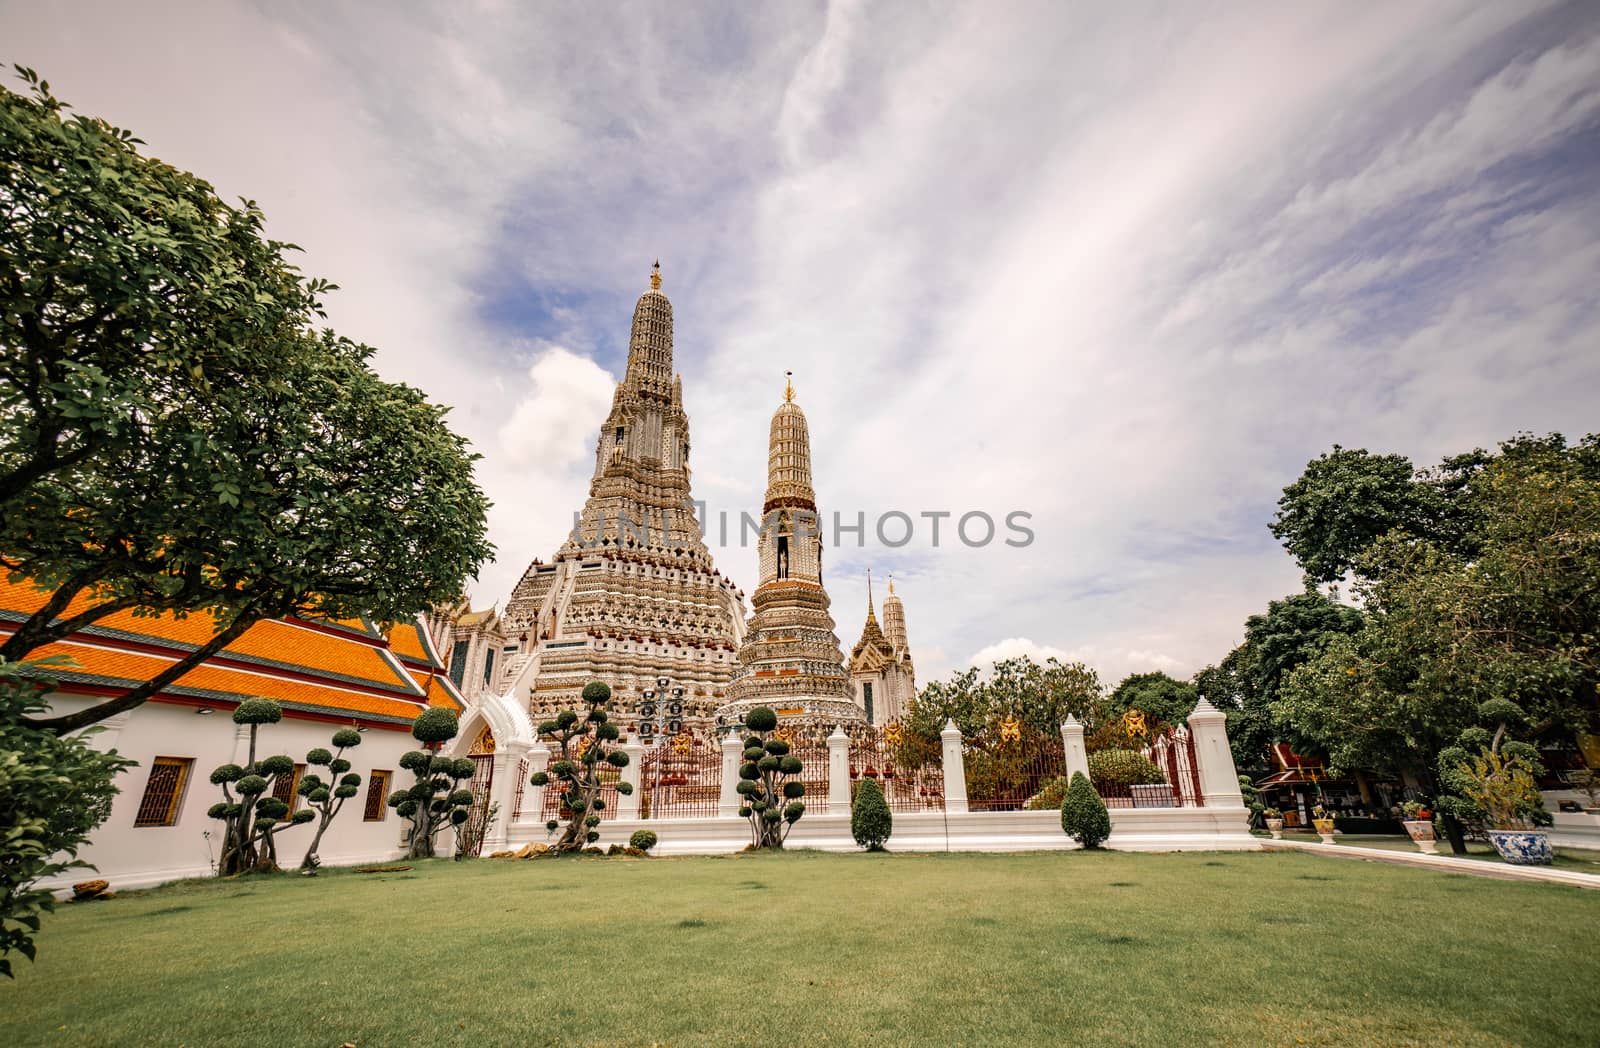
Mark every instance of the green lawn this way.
pixel 803 949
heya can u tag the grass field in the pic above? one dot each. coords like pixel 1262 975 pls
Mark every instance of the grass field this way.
pixel 804 949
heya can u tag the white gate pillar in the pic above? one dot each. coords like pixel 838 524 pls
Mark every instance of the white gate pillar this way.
pixel 838 772
pixel 502 768
pixel 533 796
pixel 1219 778
pixel 728 796
pixel 955 771
pixel 628 806
pixel 1072 744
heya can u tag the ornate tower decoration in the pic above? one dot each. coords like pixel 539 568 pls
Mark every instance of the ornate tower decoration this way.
pixel 790 659
pixel 882 679
pixel 632 595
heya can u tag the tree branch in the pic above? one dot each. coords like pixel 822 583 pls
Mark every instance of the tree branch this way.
pixel 136 697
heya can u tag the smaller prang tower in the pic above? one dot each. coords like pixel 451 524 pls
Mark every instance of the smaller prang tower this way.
pixel 790 659
pixel 882 678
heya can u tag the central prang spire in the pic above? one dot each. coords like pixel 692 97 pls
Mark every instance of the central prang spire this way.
pixel 650 342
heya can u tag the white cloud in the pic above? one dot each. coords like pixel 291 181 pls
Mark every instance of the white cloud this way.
pixel 1016 648
pixel 554 425
pixel 1125 269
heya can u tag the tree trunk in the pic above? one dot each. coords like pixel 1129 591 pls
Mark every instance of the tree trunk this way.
pixel 311 862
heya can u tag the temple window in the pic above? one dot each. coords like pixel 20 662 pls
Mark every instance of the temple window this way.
pixel 163 791
pixel 377 796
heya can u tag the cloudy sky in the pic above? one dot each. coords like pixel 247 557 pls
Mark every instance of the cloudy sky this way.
pixel 1123 270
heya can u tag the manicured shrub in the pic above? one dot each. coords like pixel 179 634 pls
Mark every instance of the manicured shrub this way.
pixel 870 819
pixel 643 840
pixel 1083 813
pixel 585 743
pixel 1124 768
pixel 251 816
pixel 436 724
pixel 766 779
pixel 325 797
pixel 433 802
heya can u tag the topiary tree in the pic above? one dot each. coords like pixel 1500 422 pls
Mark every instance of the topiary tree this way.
pixel 767 782
pixel 587 754
pixel 250 814
pixel 437 799
pixel 870 819
pixel 643 840
pixel 328 799
pixel 1083 813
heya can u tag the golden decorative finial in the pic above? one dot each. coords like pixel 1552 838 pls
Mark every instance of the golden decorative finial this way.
pixel 891 584
pixel 788 393
pixel 655 276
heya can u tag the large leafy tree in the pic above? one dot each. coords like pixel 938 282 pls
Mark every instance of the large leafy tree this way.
pixel 1446 634
pixel 1161 698
pixel 175 434
pixel 1041 695
pixel 1344 501
pixel 1247 683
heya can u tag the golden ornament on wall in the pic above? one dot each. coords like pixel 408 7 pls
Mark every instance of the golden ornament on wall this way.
pixel 681 743
pixel 1010 728
pixel 1133 721
pixel 892 732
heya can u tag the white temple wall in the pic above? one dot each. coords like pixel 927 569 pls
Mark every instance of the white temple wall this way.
pixel 132 856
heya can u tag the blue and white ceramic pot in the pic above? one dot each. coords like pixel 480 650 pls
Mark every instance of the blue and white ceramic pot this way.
pixel 1522 847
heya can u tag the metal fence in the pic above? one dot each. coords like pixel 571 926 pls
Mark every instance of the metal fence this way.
pixel 1010 767
pixel 887 757
pixel 680 777
pixel 482 786
pixel 522 784
pixel 555 806
pixel 1173 753
pixel 811 746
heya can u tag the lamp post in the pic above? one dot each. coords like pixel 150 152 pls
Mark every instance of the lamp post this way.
pixel 660 707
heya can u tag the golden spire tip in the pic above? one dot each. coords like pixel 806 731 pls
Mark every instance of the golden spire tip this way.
pixel 788 393
pixel 655 276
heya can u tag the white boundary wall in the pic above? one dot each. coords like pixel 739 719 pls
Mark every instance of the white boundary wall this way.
pixel 1221 825
pixel 1132 829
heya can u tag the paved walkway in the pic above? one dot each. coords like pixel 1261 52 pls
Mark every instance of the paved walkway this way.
pixel 1454 864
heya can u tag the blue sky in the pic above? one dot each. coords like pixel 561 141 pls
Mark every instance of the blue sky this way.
pixel 1126 270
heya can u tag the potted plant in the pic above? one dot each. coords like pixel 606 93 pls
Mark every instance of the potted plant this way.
pixel 1322 819
pixel 1274 819
pixel 1418 821
pixel 1498 789
pixel 1503 785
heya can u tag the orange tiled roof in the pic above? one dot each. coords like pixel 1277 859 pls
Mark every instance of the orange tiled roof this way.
pixel 406 640
pixel 344 667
